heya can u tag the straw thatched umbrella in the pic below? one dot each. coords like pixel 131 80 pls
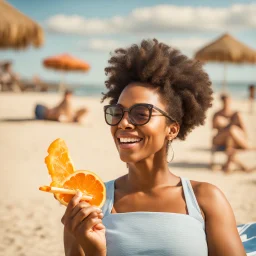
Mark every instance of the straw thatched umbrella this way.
pixel 17 30
pixel 226 49
pixel 65 63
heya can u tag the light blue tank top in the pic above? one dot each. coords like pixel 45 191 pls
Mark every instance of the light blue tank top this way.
pixel 155 233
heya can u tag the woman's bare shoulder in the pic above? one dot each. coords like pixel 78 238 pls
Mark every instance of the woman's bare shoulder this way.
pixel 208 195
pixel 202 187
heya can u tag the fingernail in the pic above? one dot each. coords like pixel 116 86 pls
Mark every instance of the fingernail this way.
pixel 79 193
pixel 98 209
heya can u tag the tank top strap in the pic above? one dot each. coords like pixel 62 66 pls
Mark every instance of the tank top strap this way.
pixel 108 205
pixel 192 204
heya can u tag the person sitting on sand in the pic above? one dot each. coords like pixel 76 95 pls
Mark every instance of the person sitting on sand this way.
pixel 156 95
pixel 9 81
pixel 230 134
pixel 63 112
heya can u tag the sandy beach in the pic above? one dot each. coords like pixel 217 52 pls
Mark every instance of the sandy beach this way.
pixel 30 219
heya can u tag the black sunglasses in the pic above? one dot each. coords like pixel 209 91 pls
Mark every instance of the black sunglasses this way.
pixel 139 114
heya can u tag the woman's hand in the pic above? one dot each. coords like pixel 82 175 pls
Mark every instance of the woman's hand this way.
pixel 84 222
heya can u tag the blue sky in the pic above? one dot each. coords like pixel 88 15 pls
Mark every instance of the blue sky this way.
pixel 91 29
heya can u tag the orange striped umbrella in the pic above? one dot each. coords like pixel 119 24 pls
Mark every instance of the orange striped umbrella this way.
pixel 66 62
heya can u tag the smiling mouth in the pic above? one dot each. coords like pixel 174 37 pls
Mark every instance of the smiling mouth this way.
pixel 124 141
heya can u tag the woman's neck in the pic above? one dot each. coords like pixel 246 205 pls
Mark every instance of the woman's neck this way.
pixel 227 109
pixel 146 175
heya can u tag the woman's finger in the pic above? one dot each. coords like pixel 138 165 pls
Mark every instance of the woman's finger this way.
pixel 83 214
pixel 98 226
pixel 90 223
pixel 71 205
pixel 100 215
pixel 78 207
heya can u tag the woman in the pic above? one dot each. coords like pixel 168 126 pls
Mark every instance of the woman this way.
pixel 156 95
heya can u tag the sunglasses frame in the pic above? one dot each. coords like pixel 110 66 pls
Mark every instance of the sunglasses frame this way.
pixel 150 107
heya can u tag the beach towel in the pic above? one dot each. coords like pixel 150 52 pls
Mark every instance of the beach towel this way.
pixel 247 233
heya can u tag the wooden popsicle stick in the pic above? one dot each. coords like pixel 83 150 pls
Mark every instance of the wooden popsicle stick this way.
pixel 63 191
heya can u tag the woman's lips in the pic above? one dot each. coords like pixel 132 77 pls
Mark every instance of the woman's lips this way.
pixel 128 145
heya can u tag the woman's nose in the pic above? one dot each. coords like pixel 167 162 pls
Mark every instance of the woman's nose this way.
pixel 125 122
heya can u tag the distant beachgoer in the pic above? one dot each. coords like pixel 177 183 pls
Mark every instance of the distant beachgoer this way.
pixel 156 95
pixel 230 134
pixel 251 89
pixel 63 112
pixel 9 81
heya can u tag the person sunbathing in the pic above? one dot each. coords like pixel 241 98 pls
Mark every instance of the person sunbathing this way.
pixel 63 112
pixel 230 134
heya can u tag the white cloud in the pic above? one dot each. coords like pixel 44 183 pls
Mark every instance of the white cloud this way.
pixel 104 45
pixel 161 18
pixel 100 45
pixel 188 44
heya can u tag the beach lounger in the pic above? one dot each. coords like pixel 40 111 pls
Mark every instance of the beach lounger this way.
pixel 247 233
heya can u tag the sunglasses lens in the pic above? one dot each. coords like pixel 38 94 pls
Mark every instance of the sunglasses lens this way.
pixel 139 115
pixel 113 115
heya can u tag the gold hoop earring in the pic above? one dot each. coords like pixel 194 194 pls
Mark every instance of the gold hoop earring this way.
pixel 170 146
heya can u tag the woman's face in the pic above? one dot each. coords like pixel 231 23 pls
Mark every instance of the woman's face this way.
pixel 152 136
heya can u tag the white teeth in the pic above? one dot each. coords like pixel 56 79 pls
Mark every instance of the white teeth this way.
pixel 129 140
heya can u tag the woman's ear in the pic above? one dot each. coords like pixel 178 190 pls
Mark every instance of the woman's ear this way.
pixel 174 129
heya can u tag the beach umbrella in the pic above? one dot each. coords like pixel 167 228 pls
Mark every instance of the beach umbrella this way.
pixel 227 49
pixel 17 30
pixel 65 63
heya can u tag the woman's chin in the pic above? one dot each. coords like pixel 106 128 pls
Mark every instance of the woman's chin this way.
pixel 128 158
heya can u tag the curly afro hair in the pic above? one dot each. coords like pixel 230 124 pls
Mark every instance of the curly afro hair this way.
pixel 181 82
